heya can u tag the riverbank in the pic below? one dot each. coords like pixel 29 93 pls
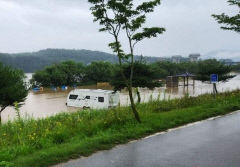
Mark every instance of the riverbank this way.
pixel 70 135
pixel 39 105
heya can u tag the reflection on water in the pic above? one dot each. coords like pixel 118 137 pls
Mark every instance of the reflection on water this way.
pixel 46 103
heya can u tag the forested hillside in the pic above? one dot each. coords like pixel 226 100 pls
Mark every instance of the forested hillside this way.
pixel 30 62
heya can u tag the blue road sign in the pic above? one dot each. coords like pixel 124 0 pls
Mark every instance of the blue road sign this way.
pixel 214 78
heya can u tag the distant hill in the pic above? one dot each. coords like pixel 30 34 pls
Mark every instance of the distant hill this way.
pixel 32 61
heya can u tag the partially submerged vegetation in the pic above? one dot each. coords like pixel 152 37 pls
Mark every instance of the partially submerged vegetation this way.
pixel 70 135
pixel 236 68
pixel 71 73
pixel 12 87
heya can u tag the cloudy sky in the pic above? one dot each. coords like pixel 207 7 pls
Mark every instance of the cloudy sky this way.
pixel 31 25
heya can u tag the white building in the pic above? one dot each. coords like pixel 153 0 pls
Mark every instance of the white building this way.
pixel 194 57
pixel 177 59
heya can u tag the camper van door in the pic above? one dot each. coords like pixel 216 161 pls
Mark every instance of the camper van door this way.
pixel 87 101
pixel 101 101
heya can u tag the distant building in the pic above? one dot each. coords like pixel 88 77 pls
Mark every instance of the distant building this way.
pixel 194 57
pixel 191 58
pixel 227 61
pixel 180 59
pixel 177 59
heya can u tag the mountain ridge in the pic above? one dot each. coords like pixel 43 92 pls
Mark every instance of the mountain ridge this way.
pixel 33 61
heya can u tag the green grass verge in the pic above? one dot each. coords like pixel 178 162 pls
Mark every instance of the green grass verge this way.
pixel 30 143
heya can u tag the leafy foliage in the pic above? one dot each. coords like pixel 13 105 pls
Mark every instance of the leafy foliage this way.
pixel 70 73
pixel 12 87
pixel 163 69
pixel 236 67
pixel 115 16
pixel 99 72
pixel 66 73
pixel 231 22
pixel 143 76
pixel 148 33
pixel 212 66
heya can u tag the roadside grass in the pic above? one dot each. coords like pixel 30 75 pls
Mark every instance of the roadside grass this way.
pixel 45 142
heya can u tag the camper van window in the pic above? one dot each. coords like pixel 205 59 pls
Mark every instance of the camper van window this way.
pixel 73 97
pixel 87 97
pixel 101 99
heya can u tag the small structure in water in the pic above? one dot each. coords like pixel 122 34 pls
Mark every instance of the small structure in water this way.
pixel 186 77
pixel 64 88
pixel 173 81
pixel 37 89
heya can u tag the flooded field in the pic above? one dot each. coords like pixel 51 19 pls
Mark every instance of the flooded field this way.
pixel 47 102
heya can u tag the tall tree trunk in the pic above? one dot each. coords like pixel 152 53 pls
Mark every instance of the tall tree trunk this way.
pixel 138 95
pixel 128 83
pixel 131 78
pixel 133 106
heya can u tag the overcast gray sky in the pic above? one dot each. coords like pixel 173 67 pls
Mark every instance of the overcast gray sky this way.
pixel 31 25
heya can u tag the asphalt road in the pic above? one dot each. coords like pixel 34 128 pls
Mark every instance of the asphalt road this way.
pixel 213 143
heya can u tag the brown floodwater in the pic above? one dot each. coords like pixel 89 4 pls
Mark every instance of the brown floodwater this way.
pixel 48 102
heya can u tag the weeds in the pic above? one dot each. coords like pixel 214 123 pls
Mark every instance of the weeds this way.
pixel 69 135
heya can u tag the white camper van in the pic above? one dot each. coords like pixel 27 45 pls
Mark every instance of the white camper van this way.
pixel 95 99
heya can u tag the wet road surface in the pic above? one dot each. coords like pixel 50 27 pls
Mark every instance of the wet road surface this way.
pixel 212 143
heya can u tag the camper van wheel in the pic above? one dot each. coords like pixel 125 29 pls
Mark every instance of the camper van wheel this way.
pixel 86 107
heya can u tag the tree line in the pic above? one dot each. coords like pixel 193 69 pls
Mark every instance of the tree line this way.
pixel 70 73
pixel 14 89
pixel 236 67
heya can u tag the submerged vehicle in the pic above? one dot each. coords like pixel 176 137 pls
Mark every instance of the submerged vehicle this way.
pixel 94 99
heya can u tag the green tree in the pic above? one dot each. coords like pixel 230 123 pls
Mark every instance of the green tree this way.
pixel 231 22
pixel 65 73
pixel 212 66
pixel 99 72
pixel 50 76
pixel 72 72
pixel 12 87
pixel 163 69
pixel 124 15
pixel 236 67
pixel 41 78
pixel 143 76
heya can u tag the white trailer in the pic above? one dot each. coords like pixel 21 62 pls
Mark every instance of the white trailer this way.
pixel 95 99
